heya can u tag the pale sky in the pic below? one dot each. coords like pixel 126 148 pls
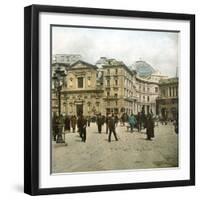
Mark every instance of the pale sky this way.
pixel 159 49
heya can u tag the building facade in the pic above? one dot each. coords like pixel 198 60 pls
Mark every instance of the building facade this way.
pixel 167 102
pixel 81 94
pixel 110 86
pixel 147 92
pixel 119 90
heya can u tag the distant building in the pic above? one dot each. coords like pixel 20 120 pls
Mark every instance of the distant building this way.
pixel 147 87
pixel 157 76
pixel 167 102
pixel 147 92
pixel 66 58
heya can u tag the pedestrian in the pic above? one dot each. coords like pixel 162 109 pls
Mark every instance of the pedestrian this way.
pixel 106 120
pixel 126 116
pixel 88 120
pixel 82 127
pixel 122 119
pixel 132 121
pixel 112 126
pixel 100 122
pixel 149 126
pixel 139 121
pixel 67 123
pixel 55 130
pixel 116 119
pixel 143 118
pixel 78 125
pixel 73 123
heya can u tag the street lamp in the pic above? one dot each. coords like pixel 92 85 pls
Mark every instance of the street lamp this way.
pixel 58 81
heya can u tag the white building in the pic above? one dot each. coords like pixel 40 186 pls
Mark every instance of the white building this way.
pixel 66 58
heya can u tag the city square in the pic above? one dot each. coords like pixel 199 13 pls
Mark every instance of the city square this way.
pixel 132 99
pixel 131 151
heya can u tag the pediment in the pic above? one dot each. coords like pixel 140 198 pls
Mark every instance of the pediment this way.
pixel 82 65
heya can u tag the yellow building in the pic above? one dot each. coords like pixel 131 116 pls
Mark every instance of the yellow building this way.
pixel 119 90
pixel 81 93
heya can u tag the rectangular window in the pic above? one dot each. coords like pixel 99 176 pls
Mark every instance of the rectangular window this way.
pixel 156 89
pixel 80 82
pixel 116 82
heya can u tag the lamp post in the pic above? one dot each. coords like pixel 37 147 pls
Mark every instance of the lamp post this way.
pixel 58 80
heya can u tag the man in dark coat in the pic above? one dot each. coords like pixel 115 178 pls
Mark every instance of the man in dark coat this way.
pixel 139 121
pixel 124 118
pixel 106 120
pixel 73 123
pixel 67 123
pixel 88 120
pixel 100 122
pixel 111 125
pixel 55 130
pixel 82 127
pixel 149 126
pixel 143 118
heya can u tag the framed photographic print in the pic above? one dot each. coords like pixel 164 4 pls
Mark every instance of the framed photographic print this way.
pixel 109 99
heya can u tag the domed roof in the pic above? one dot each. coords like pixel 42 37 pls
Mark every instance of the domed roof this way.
pixel 143 68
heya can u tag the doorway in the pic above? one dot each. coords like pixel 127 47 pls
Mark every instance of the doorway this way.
pixel 79 109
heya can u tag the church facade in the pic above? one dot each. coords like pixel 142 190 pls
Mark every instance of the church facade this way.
pixel 81 94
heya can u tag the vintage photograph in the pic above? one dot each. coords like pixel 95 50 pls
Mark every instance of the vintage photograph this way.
pixel 114 99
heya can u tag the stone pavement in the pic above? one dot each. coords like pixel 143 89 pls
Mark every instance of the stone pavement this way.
pixel 132 151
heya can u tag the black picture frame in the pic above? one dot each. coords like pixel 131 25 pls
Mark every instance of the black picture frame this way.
pixel 31 98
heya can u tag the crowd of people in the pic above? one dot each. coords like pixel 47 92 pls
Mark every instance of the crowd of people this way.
pixel 79 123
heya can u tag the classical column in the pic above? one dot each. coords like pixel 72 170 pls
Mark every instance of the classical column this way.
pixel 168 94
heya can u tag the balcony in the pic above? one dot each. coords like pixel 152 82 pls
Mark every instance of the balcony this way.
pixel 111 97
pixel 133 98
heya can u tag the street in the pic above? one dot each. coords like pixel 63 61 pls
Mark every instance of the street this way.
pixel 132 151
